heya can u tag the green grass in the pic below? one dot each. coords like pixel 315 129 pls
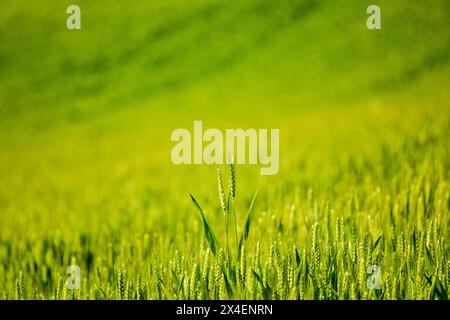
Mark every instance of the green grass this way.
pixel 86 176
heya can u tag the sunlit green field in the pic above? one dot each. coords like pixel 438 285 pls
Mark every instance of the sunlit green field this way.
pixel 86 176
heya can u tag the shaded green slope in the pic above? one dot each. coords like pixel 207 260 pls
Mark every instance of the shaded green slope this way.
pixel 298 53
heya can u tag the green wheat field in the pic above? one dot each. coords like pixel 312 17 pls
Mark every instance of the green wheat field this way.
pixel 86 176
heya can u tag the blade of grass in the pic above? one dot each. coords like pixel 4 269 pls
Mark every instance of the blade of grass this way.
pixel 212 240
pixel 267 291
pixel 376 243
pixel 248 221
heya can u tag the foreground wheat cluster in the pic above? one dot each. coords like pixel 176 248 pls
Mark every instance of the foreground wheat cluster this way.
pixel 299 244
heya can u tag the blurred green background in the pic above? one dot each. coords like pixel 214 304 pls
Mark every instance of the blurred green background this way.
pixel 86 115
